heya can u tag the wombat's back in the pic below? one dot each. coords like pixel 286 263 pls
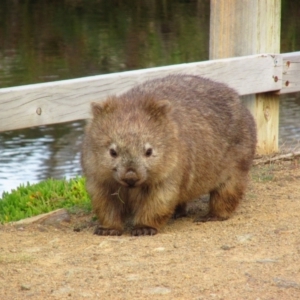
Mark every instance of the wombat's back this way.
pixel 195 98
pixel 217 132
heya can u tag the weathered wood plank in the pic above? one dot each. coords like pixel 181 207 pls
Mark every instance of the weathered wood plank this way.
pixel 68 100
pixel 291 73
pixel 247 27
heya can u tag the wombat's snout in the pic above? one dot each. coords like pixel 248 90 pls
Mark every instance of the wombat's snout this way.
pixel 130 178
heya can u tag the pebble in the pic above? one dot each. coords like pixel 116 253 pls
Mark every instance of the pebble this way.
pixel 244 238
pixel 283 283
pixel 159 249
pixel 266 260
pixel 159 290
pixel 52 218
pixel 132 277
pixel 25 287
pixel 226 247
pixel 62 291
pixel 57 217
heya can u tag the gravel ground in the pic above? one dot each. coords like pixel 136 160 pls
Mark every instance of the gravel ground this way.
pixel 253 255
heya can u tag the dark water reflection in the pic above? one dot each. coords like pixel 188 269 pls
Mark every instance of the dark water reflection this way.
pixel 35 154
pixel 42 41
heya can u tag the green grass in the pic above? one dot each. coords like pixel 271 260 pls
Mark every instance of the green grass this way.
pixel 34 199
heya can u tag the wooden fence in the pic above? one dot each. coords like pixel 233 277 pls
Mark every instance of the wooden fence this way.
pixel 69 100
pixel 237 29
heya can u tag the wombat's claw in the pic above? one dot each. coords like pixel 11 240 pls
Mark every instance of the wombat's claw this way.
pixel 107 231
pixel 143 231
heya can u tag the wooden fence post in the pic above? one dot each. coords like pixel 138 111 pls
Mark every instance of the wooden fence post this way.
pixel 244 27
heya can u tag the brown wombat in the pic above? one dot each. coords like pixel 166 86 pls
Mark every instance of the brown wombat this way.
pixel 149 151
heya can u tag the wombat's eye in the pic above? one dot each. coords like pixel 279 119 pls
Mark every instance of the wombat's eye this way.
pixel 148 152
pixel 113 153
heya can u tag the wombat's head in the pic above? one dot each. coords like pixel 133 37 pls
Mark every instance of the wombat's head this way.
pixel 131 141
pixel 129 165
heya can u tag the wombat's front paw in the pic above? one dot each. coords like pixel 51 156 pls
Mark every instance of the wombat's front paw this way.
pixel 143 231
pixel 107 231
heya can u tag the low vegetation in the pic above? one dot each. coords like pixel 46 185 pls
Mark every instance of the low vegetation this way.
pixel 34 199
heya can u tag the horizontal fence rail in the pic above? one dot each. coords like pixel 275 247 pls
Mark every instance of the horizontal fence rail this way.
pixel 290 73
pixel 69 100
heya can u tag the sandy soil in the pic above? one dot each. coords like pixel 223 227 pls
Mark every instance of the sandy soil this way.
pixel 253 255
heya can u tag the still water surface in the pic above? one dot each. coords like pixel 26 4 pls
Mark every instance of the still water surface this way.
pixel 53 40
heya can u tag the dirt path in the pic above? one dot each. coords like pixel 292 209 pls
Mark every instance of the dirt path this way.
pixel 253 255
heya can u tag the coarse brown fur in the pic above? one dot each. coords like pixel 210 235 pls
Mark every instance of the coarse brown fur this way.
pixel 149 151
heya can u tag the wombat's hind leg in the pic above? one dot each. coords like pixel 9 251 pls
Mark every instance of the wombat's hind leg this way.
pixel 180 211
pixel 224 200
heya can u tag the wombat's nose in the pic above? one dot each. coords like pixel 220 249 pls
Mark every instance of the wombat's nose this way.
pixel 131 182
pixel 130 178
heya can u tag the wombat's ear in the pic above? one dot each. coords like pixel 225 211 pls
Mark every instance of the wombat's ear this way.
pixel 159 108
pixel 96 108
pixel 101 108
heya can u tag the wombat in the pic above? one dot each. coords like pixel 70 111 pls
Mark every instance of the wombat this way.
pixel 167 141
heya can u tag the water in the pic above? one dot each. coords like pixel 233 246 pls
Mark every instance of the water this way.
pixel 42 41
pixel 35 154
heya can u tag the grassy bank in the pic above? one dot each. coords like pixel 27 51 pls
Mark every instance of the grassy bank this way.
pixel 34 199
